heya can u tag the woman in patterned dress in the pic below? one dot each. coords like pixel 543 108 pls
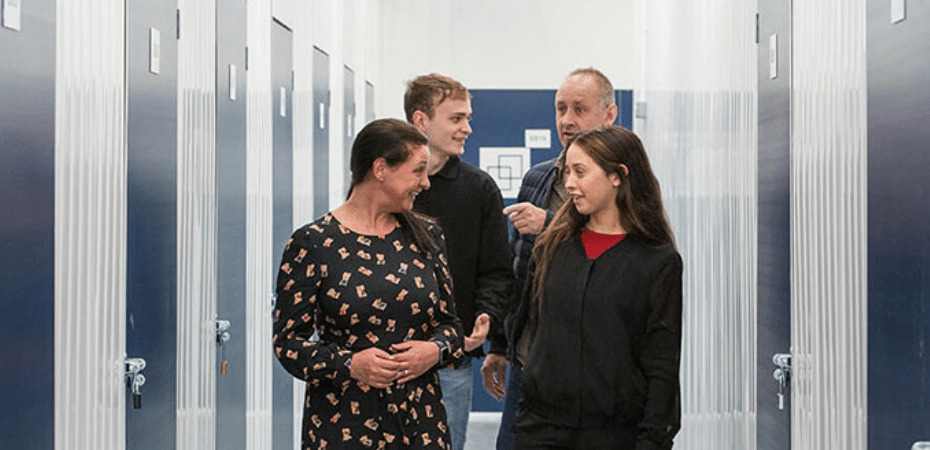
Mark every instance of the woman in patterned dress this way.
pixel 370 279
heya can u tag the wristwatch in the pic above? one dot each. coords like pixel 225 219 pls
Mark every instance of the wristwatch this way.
pixel 444 352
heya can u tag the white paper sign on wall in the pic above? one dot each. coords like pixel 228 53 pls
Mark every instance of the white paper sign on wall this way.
pixel 233 83
pixel 12 14
pixel 898 10
pixel 538 138
pixel 773 56
pixel 154 51
pixel 506 165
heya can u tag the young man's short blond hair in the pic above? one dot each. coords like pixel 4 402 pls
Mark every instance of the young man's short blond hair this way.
pixel 425 92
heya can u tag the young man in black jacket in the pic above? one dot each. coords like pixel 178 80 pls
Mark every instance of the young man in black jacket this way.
pixel 467 203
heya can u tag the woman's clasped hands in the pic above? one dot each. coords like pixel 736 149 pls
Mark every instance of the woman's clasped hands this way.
pixel 379 369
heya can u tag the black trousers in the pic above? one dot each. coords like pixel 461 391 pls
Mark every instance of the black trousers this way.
pixel 535 432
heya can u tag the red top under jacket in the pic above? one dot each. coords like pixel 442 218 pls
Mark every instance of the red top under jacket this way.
pixel 595 244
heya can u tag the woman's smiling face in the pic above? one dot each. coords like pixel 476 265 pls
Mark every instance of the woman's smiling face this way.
pixel 404 181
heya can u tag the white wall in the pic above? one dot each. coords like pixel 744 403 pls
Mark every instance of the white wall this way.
pixel 196 227
pixel 90 227
pixel 485 44
pixel 701 136
pixel 829 233
pixel 527 44
pixel 260 251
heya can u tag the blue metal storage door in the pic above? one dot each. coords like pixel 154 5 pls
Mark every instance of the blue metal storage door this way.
pixel 282 225
pixel 151 259
pixel 774 239
pixel 27 194
pixel 348 112
pixel 369 102
pixel 899 226
pixel 321 102
pixel 231 221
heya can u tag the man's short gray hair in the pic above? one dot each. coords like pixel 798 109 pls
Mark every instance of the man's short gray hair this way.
pixel 604 86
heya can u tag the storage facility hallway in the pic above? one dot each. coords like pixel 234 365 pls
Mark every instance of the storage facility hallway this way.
pixel 157 155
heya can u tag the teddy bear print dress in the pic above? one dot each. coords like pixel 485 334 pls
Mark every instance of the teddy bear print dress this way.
pixel 356 292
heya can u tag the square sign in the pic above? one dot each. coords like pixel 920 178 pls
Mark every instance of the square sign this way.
pixel 898 11
pixel 506 165
pixel 12 14
pixel 541 138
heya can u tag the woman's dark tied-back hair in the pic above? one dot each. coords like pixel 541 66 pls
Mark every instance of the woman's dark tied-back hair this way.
pixel 639 199
pixel 391 139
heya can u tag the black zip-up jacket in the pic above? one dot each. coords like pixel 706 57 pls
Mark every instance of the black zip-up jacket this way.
pixel 468 205
pixel 608 342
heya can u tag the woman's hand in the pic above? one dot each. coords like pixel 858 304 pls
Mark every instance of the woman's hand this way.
pixel 415 358
pixel 375 367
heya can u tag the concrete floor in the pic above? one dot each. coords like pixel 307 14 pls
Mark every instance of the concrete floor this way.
pixel 482 430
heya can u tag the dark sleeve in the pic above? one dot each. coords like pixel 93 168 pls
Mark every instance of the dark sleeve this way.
pixel 660 358
pixel 523 307
pixel 493 276
pixel 448 327
pixel 299 280
pixel 549 216
pixel 498 337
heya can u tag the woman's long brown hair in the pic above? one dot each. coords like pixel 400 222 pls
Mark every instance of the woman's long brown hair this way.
pixel 639 199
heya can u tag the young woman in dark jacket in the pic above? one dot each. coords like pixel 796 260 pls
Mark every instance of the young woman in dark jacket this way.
pixel 605 290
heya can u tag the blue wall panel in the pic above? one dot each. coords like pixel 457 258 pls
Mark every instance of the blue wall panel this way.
pixel 774 237
pixel 348 112
pixel 899 226
pixel 27 233
pixel 321 101
pixel 231 220
pixel 501 116
pixel 151 252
